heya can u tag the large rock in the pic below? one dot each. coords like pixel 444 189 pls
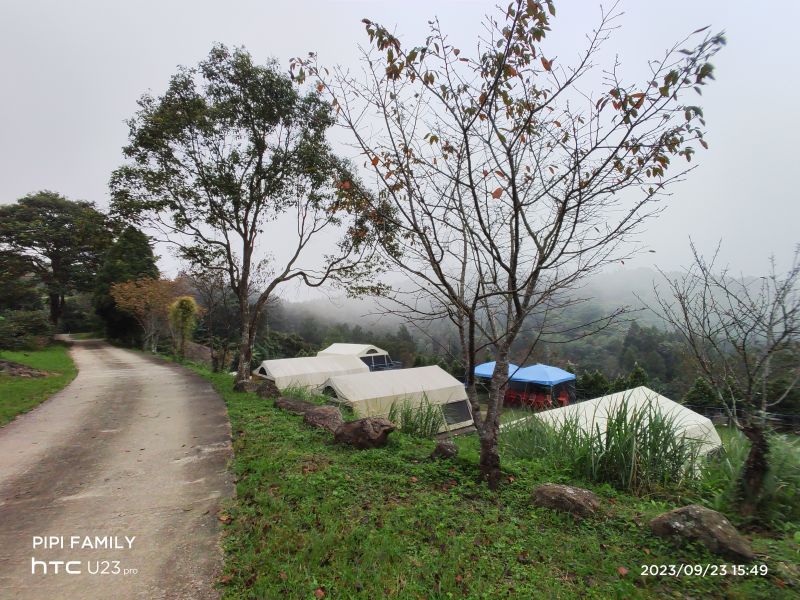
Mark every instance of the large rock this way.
pixel 324 417
pixel 246 385
pixel 298 407
pixel 371 432
pixel 565 498
pixel 704 525
pixel 445 449
pixel 268 389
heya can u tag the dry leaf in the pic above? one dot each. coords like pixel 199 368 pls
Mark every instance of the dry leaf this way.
pixel 319 593
pixel 497 193
pixel 622 571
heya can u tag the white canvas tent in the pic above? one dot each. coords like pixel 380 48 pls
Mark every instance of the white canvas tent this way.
pixel 367 353
pixel 308 371
pixel 372 394
pixel 358 350
pixel 593 414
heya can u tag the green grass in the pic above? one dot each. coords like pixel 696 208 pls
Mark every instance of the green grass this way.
pixel 641 449
pixel 310 515
pixel 19 395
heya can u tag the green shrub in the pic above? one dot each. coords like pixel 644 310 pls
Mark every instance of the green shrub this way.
pixel 24 330
pixel 642 449
pixel 420 420
pixel 301 392
pixel 778 505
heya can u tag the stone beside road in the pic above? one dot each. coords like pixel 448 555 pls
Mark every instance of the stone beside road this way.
pixel 370 432
pixel 324 417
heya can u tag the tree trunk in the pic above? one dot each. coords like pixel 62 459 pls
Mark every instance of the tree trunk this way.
pixel 490 432
pixel 751 480
pixel 56 307
pixel 245 343
pixel 490 457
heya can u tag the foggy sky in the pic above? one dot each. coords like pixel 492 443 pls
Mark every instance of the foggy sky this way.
pixel 72 72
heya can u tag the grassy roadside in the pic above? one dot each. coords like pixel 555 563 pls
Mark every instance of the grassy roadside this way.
pixel 313 520
pixel 18 395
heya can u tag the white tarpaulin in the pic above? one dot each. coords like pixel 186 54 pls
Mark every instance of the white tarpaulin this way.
pixel 308 371
pixel 372 394
pixel 593 414
pixel 359 350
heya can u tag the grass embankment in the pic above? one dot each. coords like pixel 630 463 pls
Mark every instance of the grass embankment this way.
pixel 20 394
pixel 312 519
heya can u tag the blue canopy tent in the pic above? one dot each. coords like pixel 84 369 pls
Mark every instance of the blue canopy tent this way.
pixel 543 374
pixel 485 370
pixel 540 386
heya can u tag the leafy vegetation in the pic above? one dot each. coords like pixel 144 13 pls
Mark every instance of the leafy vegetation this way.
pixel 642 450
pixel 56 241
pixel 778 503
pixel 312 518
pixel 182 320
pixel 24 330
pixel 419 420
pixel 129 258
pixel 18 395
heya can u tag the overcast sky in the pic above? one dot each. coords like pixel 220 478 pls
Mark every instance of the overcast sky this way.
pixel 73 70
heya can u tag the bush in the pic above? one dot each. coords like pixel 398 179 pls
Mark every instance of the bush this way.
pixel 642 449
pixel 24 330
pixel 423 420
pixel 778 506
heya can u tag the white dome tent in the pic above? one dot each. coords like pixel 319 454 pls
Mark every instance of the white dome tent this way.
pixel 372 394
pixel 593 415
pixel 308 371
pixel 375 358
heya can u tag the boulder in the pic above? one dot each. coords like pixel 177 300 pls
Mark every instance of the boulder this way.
pixel 565 498
pixel 444 449
pixel 371 432
pixel 268 389
pixel 324 417
pixel 298 407
pixel 704 525
pixel 246 385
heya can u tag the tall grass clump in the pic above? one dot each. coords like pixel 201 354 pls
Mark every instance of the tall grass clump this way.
pixel 308 394
pixel 420 420
pixel 778 505
pixel 642 449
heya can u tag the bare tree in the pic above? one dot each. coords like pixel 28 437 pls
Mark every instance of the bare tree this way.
pixel 735 329
pixel 509 182
pixel 220 315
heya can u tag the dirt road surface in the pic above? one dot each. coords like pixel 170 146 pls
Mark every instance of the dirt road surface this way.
pixel 132 448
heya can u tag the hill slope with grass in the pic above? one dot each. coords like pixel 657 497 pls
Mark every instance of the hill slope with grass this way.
pixel 313 519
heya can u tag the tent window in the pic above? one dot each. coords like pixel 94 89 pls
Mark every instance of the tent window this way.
pixel 372 351
pixel 330 392
pixel 379 360
pixel 263 371
pixel 456 412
